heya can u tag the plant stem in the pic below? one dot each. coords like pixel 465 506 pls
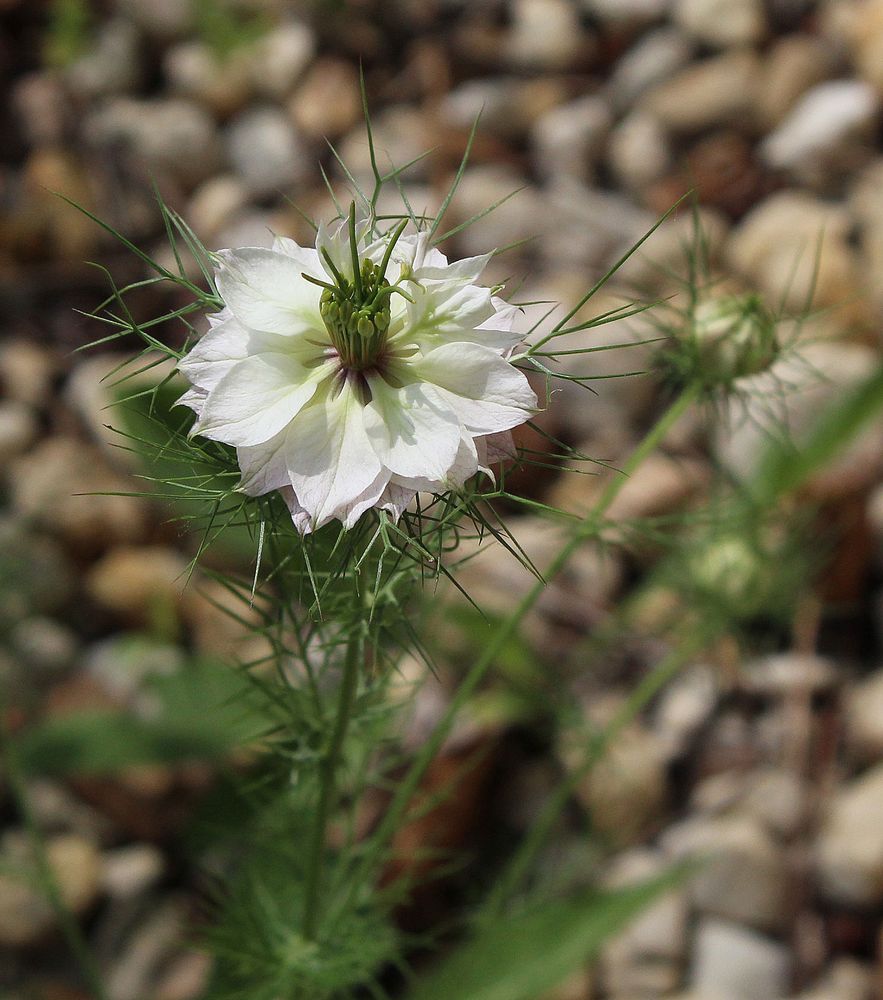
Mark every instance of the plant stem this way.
pixel 590 526
pixel 518 865
pixel 328 772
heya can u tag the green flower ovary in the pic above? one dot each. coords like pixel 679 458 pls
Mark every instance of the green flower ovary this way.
pixel 357 317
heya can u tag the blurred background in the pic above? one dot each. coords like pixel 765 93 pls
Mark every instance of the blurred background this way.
pixel 600 114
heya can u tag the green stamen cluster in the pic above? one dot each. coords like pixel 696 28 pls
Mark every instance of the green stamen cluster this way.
pixel 356 315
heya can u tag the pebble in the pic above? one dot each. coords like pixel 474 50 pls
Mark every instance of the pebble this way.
pixel 327 101
pixel 519 217
pixel 626 791
pixel 735 963
pixel 619 11
pixel 27 371
pixel 845 979
pixel 195 71
pixel 720 90
pixel 864 719
pixel 18 430
pixel 42 108
pixel 866 37
pixel 66 487
pixel 570 138
pixel 279 59
pixel 214 204
pixel 26 915
pixel 783 675
pixel 654 58
pixel 44 578
pixel 796 249
pixel 120 665
pixel 169 136
pixel 794 64
pixel 645 959
pixel 44 644
pixel 819 378
pixel 543 34
pixel 141 584
pixel 829 125
pixel 743 874
pixel 684 707
pixel 129 871
pixel 112 66
pixel 162 19
pixel 401 134
pixel 506 106
pixel 265 151
pixel 849 848
pixel 722 23
pixel 639 151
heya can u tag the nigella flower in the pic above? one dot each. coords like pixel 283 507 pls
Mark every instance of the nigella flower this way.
pixel 355 374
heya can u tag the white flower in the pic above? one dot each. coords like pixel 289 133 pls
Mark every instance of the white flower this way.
pixel 353 375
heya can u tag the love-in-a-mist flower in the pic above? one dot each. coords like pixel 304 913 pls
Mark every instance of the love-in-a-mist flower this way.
pixel 355 374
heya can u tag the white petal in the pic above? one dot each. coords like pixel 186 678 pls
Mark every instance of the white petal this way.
pixel 264 466
pixel 215 353
pixel 330 460
pixel 411 431
pixel 299 514
pixel 395 499
pixel 486 392
pixel 194 398
pixel 257 398
pixel 265 291
pixel 464 466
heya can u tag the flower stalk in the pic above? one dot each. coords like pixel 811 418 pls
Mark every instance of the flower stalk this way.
pixel 349 685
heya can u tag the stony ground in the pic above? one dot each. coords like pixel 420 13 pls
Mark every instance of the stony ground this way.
pixel 603 113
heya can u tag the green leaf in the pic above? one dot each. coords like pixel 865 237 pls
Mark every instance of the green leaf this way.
pixel 519 957
pixel 202 712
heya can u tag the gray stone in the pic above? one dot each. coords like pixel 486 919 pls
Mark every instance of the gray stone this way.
pixel 734 963
pixel 215 204
pixel 721 90
pixel 280 58
pixel 722 23
pixel 844 979
pixel 27 371
pixel 26 915
pixel 400 134
pixel 544 34
pixel 685 706
pixel 569 139
pixel 112 66
pixel 18 430
pixel 743 875
pixel 505 105
pixel 849 849
pixel 824 128
pixel 128 871
pixel 639 151
pixel 163 19
pixel 195 71
pixel 519 217
pixel 42 108
pixel 44 644
pixel 619 11
pixel 820 377
pixel 864 719
pixel 68 488
pixel 795 248
pixel 784 675
pixel 266 151
pixel 793 65
pixel 652 60
pixel 167 136
pixel 327 102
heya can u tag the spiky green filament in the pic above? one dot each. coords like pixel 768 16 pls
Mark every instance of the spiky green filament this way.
pixel 356 315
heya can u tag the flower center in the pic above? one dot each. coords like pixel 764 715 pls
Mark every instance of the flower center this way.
pixel 356 316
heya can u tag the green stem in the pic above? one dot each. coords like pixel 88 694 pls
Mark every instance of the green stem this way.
pixel 520 862
pixel 70 929
pixel 327 773
pixel 590 526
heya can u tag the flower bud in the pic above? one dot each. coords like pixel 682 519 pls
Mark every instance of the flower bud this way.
pixel 735 336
